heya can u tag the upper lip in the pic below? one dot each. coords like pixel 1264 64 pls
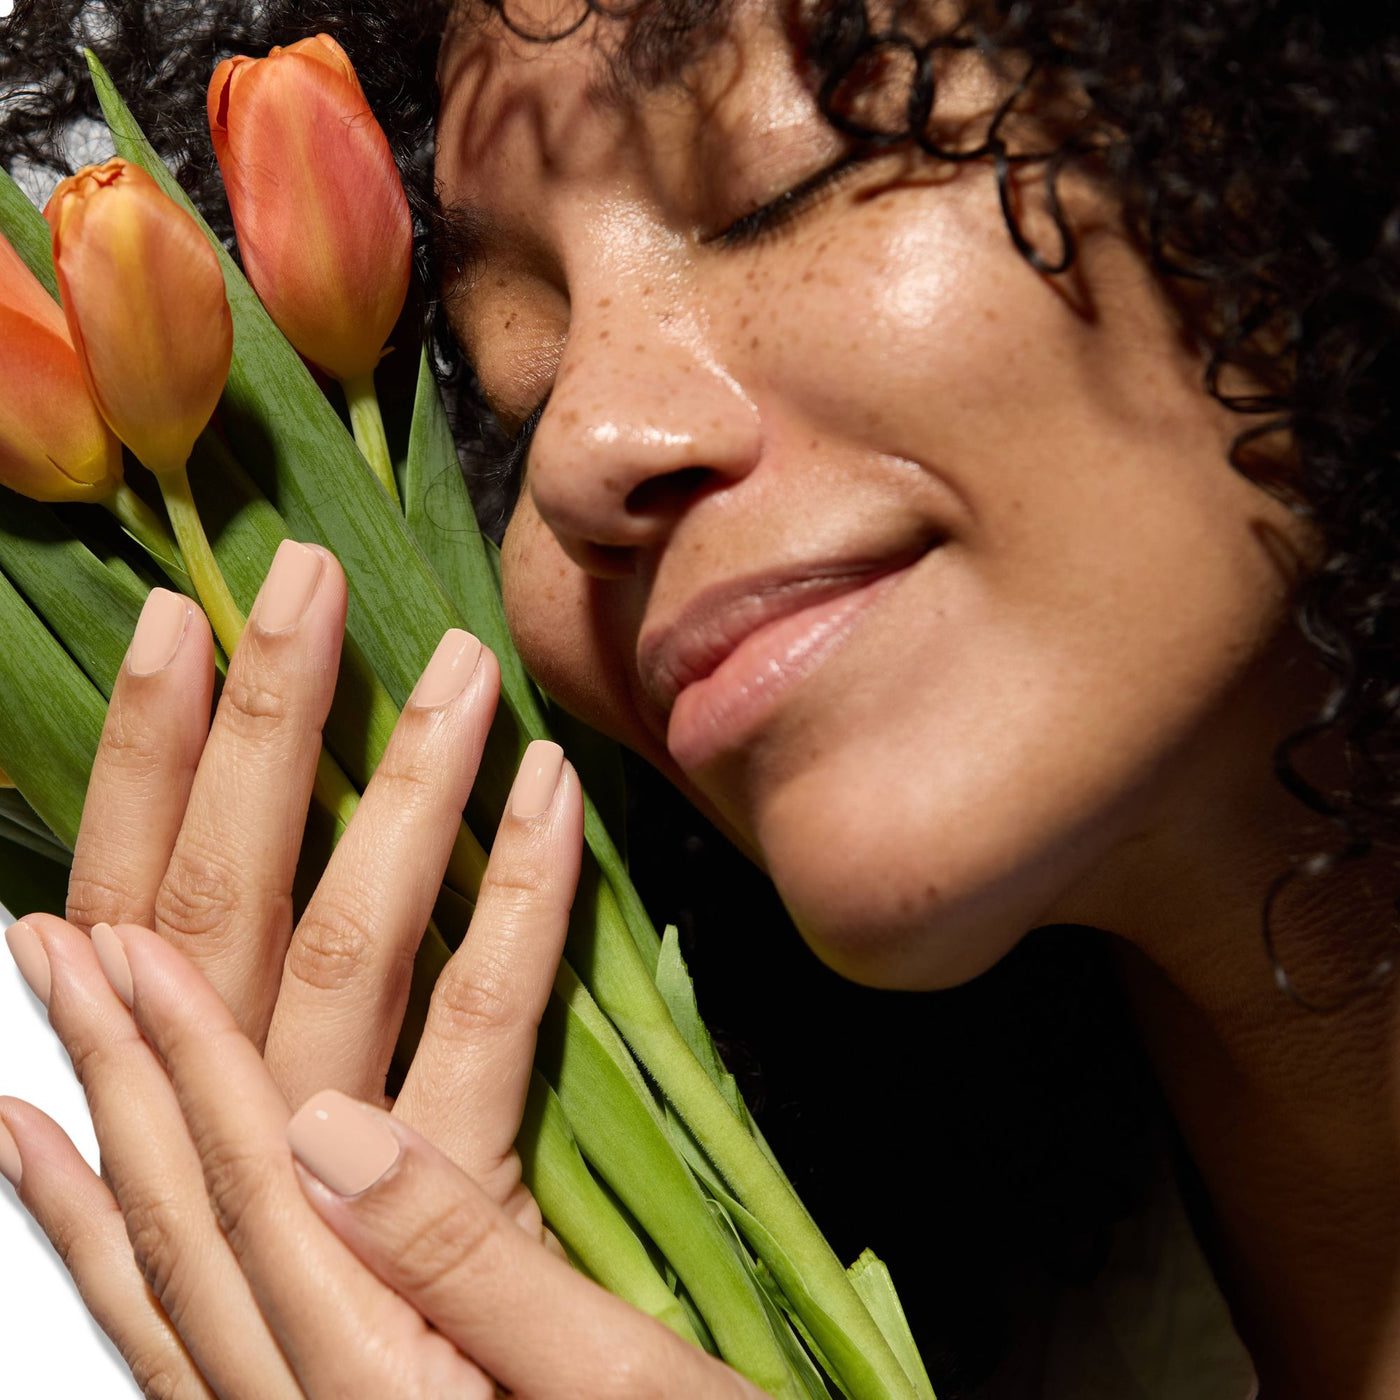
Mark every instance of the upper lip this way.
pixel 671 656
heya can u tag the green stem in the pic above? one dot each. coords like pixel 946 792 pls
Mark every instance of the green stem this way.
pixel 224 615
pixel 603 951
pixel 148 530
pixel 582 1216
pixel 368 425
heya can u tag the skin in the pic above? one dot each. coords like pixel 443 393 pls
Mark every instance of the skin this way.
pixel 1062 712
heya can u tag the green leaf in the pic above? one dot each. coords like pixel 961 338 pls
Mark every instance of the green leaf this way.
pixel 90 606
pixel 872 1281
pixel 845 1362
pixel 623 1137
pixel 678 991
pixel 440 517
pixel 582 1215
pixel 50 718
pixel 27 231
pixel 24 827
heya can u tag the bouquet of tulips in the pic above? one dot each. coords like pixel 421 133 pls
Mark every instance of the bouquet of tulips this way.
pixel 124 324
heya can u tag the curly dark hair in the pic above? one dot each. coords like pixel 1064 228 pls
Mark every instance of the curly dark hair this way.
pixel 1254 148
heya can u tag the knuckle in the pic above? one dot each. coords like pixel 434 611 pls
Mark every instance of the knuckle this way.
pixel 518 881
pixel 238 1180
pixel 199 892
pixel 133 741
pixel 252 706
pixel 332 947
pixel 409 773
pixel 95 900
pixel 155 1223
pixel 156 1380
pixel 448 1249
pixel 465 1006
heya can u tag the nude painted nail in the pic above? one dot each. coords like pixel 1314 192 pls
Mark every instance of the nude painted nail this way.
pixel 10 1167
pixel 445 677
pixel 112 956
pixel 538 777
pixel 30 958
pixel 159 632
pixel 288 588
pixel 343 1144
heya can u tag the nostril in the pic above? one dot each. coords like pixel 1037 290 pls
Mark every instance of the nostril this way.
pixel 669 492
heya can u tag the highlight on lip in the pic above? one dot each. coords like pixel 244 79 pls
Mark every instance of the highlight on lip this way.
pixel 714 624
pixel 719 710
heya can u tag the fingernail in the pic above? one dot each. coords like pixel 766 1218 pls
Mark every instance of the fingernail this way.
pixel 112 956
pixel 337 1140
pixel 287 589
pixel 538 777
pixel 10 1167
pixel 159 631
pixel 30 958
pixel 446 675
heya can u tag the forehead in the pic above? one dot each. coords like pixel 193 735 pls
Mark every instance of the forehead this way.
pixel 656 99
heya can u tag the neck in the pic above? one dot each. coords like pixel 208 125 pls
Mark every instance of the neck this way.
pixel 1292 1117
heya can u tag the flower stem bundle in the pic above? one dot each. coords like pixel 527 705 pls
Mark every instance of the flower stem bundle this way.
pixel 636 1143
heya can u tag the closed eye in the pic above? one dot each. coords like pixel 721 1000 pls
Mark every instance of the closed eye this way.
pixel 773 215
pixel 500 472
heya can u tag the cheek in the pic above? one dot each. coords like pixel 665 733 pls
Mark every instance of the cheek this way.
pixel 564 625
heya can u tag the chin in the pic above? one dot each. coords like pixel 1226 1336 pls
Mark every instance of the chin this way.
pixel 918 901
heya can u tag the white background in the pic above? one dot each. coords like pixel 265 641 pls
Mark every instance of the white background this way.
pixel 49 1346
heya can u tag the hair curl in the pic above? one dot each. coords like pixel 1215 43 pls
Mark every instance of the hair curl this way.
pixel 1254 147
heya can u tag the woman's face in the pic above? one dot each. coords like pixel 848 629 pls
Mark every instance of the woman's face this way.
pixel 924 574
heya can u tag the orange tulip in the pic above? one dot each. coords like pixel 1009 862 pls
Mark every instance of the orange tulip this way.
pixel 322 221
pixel 145 302
pixel 54 445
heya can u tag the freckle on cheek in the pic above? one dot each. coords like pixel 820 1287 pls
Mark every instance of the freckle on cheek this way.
pixel 604 302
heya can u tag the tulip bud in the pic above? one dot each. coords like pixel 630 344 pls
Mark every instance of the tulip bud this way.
pixel 322 221
pixel 54 445
pixel 144 296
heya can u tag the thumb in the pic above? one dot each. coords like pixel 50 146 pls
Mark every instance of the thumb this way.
pixel 523 1315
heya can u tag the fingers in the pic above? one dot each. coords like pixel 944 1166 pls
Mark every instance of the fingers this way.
pixel 174 1243
pixel 523 1315
pixel 85 1226
pixel 151 742
pixel 343 1333
pixel 226 899
pixel 468 1080
pixel 347 972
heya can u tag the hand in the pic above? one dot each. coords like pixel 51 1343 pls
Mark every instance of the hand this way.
pixel 185 1102
pixel 197 830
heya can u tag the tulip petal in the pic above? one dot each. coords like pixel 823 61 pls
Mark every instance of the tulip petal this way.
pixel 322 221
pixel 21 291
pixel 54 445
pixel 326 51
pixel 145 302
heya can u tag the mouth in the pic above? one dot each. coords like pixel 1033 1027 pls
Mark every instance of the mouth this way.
pixel 722 665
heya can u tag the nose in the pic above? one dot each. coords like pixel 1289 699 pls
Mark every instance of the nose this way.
pixel 643 421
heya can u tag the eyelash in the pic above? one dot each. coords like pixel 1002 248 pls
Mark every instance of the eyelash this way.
pixel 769 218
pixel 750 229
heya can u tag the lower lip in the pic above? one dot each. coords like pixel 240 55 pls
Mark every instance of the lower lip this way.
pixel 720 712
